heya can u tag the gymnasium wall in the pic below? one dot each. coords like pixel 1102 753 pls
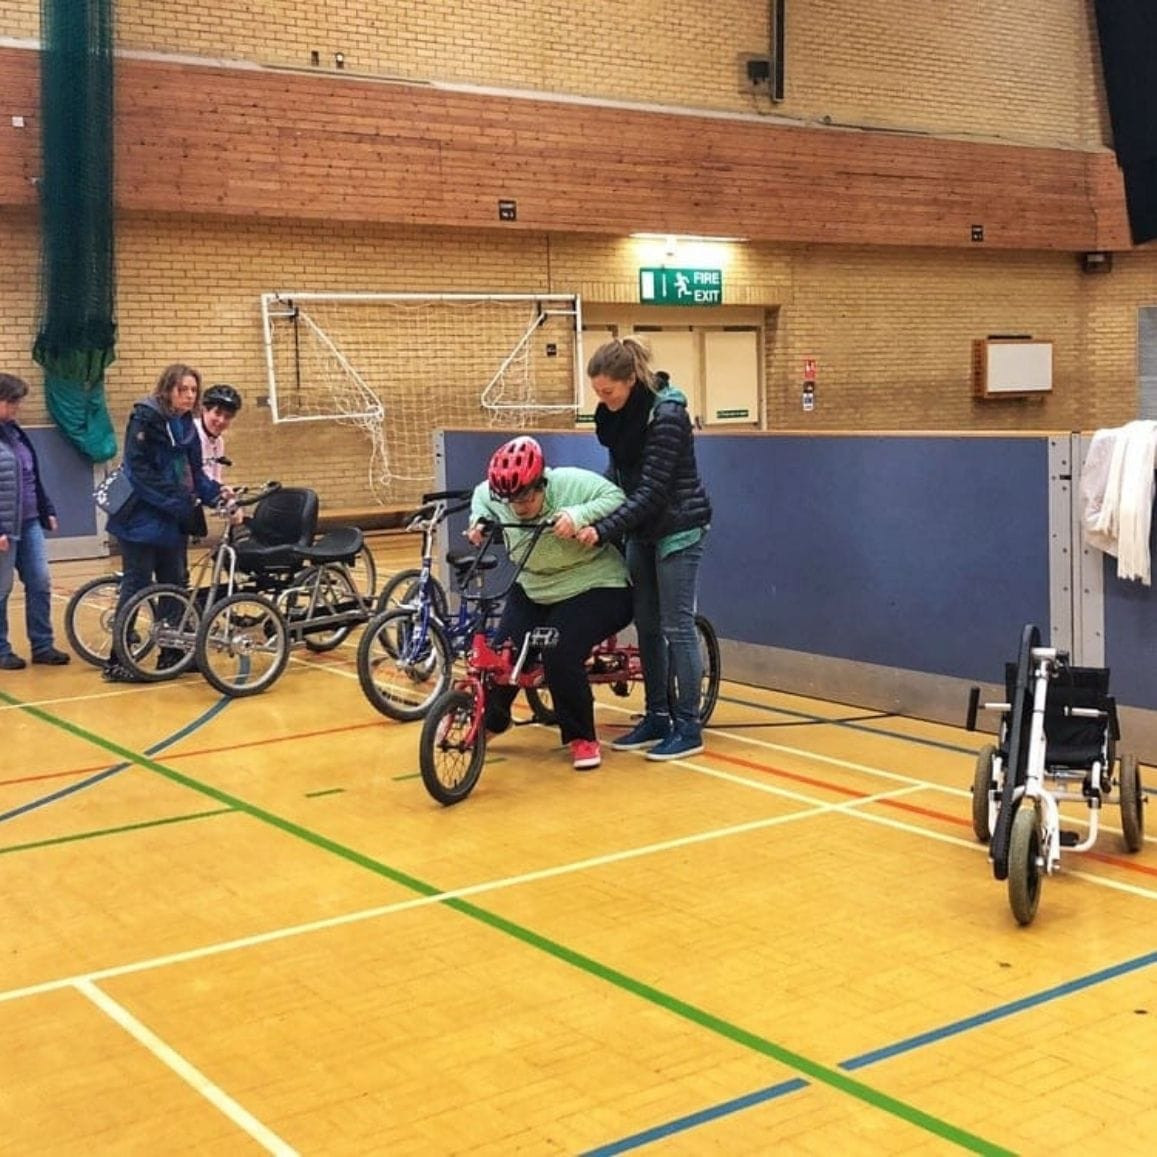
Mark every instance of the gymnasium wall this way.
pixel 1018 72
pixel 891 330
pixel 890 326
pixel 922 553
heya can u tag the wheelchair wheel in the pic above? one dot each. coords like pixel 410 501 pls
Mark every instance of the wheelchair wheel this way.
pixel 541 705
pixel 452 748
pixel 402 591
pixel 982 785
pixel 242 645
pixel 709 654
pixel 155 632
pixel 1024 868
pixel 88 618
pixel 403 668
pixel 709 659
pixel 1132 804
pixel 364 571
pixel 332 595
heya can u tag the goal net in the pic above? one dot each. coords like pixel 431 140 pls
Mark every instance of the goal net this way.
pixel 399 365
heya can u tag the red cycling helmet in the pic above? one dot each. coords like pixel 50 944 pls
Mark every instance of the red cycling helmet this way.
pixel 514 467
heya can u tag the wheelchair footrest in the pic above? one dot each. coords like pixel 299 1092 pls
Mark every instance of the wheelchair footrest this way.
pixel 1070 839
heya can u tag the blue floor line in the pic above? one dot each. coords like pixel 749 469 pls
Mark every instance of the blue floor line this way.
pixel 941 744
pixel 702 1117
pixel 864 1060
pixel 92 780
pixel 1000 1012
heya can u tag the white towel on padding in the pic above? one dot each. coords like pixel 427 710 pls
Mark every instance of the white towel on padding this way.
pixel 1117 495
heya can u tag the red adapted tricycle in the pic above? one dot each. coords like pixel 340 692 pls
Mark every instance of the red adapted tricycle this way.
pixel 452 747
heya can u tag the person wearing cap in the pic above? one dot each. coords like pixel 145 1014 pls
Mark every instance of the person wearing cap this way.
pixel 582 592
pixel 220 404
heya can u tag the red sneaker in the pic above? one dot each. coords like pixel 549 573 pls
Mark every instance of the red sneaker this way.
pixel 586 754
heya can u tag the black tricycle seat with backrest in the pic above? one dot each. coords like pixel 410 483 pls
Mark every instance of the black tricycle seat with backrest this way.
pixel 281 526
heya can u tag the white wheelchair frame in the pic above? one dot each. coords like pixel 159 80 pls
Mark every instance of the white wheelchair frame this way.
pixel 1025 842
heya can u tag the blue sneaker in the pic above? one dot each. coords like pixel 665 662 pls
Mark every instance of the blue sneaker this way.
pixel 680 743
pixel 651 729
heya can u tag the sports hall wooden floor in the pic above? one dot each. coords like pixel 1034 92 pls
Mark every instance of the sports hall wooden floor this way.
pixel 237 926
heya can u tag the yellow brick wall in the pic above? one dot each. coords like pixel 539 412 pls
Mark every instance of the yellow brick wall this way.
pixel 1025 71
pixel 891 331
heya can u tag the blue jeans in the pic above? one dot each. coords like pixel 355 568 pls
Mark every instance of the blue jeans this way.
pixel 143 563
pixel 665 595
pixel 27 557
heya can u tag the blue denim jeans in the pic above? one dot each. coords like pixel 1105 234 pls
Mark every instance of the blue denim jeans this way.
pixel 665 592
pixel 142 564
pixel 27 557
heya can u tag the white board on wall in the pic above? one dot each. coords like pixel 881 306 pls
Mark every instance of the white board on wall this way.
pixel 1005 366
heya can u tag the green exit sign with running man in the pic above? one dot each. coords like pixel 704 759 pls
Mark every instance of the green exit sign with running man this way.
pixel 681 286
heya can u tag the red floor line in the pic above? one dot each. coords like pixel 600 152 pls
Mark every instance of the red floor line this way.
pixel 1128 865
pixel 176 754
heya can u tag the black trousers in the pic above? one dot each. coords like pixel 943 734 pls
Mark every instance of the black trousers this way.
pixel 581 621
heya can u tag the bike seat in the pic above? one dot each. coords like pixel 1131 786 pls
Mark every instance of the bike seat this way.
pixel 338 545
pixel 462 560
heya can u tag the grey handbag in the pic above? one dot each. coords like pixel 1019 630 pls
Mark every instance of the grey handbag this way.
pixel 114 491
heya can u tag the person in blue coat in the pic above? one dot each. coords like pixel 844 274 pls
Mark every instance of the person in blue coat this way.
pixel 25 514
pixel 162 457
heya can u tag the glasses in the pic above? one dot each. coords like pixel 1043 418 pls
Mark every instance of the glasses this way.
pixel 524 496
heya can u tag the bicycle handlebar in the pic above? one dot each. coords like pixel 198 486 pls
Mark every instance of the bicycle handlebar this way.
pixel 243 497
pixel 446 496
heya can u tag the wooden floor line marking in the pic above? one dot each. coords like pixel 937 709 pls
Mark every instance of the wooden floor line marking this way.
pixel 824 1074
pixel 216 1096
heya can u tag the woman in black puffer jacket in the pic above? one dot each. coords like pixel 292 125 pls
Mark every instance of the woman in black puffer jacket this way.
pixel 642 420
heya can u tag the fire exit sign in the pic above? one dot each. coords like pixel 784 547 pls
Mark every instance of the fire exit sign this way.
pixel 681 286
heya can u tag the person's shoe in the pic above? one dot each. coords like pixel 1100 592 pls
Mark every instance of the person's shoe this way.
pixel 497 718
pixel 12 662
pixel 678 744
pixel 52 657
pixel 115 672
pixel 169 657
pixel 585 754
pixel 651 729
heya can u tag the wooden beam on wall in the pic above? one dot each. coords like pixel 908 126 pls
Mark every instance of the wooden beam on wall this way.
pixel 251 142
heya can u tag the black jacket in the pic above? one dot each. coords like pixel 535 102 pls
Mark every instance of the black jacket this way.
pixel 664 492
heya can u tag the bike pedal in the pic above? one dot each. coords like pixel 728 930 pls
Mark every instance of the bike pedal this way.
pixel 543 638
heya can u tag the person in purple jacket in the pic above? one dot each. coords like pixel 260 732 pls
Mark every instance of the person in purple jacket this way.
pixel 25 514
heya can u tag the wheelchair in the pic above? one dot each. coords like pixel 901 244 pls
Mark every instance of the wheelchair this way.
pixel 300 592
pixel 1057 743
pixel 273 559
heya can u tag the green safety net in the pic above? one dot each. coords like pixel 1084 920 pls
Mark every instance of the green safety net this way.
pixel 77 333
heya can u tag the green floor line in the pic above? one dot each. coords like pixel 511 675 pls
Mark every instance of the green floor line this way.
pixel 818 1072
pixel 96 833
pixel 326 791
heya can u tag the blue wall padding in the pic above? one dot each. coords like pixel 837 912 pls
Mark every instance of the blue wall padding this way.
pixel 1131 636
pixel 67 476
pixel 923 553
